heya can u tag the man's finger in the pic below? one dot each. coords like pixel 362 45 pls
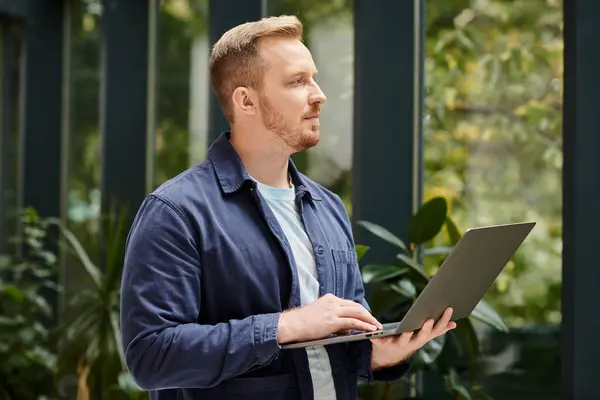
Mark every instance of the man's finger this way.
pixel 358 312
pixel 401 340
pixel 451 325
pixel 355 324
pixel 404 339
pixel 442 324
pixel 424 334
pixel 352 304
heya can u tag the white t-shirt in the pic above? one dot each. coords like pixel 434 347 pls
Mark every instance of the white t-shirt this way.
pixel 283 206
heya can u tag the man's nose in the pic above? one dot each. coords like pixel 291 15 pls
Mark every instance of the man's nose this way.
pixel 318 97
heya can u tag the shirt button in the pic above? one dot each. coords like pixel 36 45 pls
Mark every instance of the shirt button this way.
pixel 320 250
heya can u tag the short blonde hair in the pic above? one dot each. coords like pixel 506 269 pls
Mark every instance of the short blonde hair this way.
pixel 235 61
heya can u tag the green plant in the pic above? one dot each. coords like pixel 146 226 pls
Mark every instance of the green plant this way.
pixel 35 352
pixel 90 339
pixel 27 353
pixel 396 284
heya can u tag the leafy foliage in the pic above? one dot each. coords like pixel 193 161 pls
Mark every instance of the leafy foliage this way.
pixel 399 283
pixel 90 337
pixel 26 341
pixel 493 134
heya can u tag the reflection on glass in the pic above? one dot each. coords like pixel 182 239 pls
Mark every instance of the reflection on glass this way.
pixel 83 196
pixel 493 136
pixel 493 147
pixel 181 137
pixel 84 154
pixel 183 87
pixel 329 34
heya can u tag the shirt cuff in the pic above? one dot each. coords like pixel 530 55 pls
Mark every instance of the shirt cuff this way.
pixel 266 346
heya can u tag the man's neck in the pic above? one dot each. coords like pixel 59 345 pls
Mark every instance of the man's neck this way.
pixel 263 161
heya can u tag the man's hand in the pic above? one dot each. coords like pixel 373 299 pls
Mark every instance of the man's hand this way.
pixel 326 316
pixel 391 350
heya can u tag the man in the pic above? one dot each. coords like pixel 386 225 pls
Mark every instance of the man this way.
pixel 242 253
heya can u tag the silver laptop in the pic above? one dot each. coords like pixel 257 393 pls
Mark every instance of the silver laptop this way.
pixel 461 281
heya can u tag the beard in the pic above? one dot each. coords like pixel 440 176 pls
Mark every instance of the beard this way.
pixel 295 135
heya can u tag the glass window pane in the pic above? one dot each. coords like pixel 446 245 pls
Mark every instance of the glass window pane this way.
pixel 493 147
pixel 83 196
pixel 183 87
pixel 329 34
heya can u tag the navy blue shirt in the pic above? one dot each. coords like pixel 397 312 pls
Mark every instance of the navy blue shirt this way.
pixel 207 273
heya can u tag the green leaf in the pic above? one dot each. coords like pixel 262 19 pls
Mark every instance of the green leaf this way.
pixel 45 357
pixel 6 322
pixel 5 261
pixel 405 287
pixel 116 236
pixel 83 319
pixel 383 299
pixel 49 257
pixel 116 332
pixel 13 292
pixel 467 341
pixel 414 265
pixel 429 353
pixel 455 385
pixel 29 214
pixel 360 251
pixel 437 251
pixel 42 304
pixel 377 273
pixel 428 221
pixel 462 392
pixel 486 314
pixel 89 266
pixel 383 233
pixel 453 233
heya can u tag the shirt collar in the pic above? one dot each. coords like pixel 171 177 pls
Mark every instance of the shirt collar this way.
pixel 232 174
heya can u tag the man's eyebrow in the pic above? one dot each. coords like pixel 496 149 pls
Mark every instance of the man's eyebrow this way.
pixel 303 71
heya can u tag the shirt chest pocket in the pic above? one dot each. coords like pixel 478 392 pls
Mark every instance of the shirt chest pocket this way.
pixel 346 273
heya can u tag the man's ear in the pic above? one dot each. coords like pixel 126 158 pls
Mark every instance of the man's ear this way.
pixel 243 101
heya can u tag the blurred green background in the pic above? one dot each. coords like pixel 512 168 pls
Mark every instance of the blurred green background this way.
pixel 492 150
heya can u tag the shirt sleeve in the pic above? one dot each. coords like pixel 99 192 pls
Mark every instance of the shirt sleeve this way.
pixel 164 345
